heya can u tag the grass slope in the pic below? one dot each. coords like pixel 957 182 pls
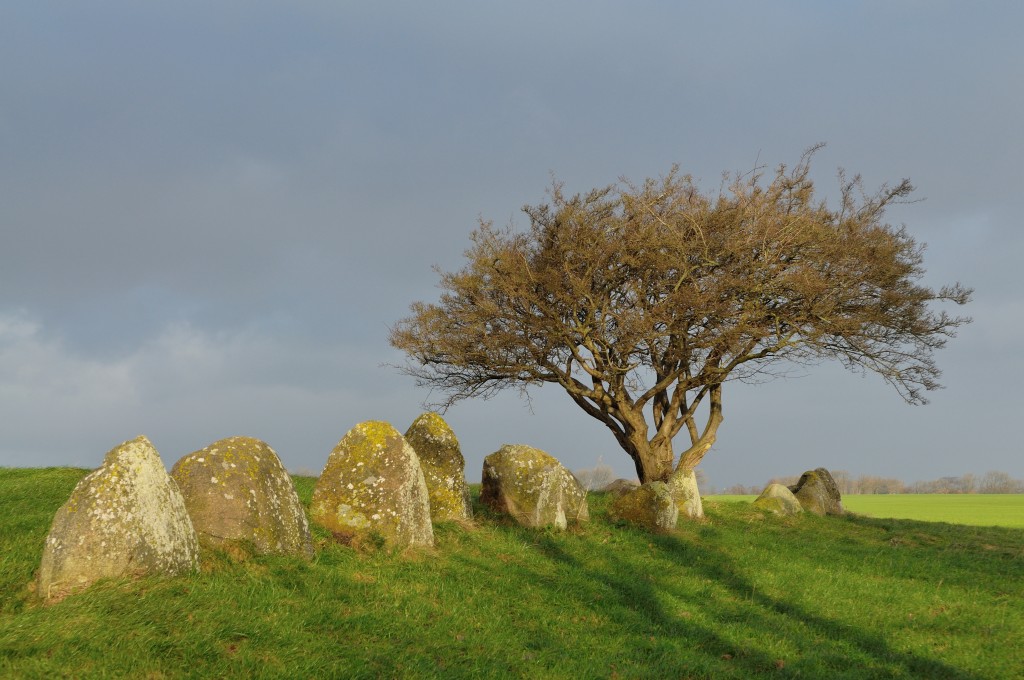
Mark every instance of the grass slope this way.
pixel 741 595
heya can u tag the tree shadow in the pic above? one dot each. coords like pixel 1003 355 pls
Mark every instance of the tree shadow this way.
pixel 892 662
pixel 695 645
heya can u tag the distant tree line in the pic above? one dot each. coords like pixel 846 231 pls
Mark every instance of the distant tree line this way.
pixel 990 482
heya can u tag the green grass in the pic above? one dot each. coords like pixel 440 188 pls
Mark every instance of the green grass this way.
pixel 977 509
pixel 983 510
pixel 741 595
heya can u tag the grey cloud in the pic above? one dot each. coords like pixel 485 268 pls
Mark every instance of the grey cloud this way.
pixel 269 184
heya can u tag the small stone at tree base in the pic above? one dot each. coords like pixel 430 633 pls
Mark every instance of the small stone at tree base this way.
pixel 683 485
pixel 650 506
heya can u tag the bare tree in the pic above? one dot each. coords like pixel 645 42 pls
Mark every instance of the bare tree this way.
pixel 790 480
pixel 643 301
pixel 869 484
pixel 596 477
pixel 1000 482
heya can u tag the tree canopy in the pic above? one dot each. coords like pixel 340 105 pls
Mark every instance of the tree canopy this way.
pixel 642 300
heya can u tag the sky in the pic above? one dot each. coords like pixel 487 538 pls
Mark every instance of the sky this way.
pixel 212 212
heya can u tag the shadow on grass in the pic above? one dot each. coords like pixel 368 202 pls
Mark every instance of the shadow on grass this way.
pixel 737 631
pixel 840 636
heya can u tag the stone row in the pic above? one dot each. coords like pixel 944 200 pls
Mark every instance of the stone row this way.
pixel 816 492
pixel 130 517
pixel 658 505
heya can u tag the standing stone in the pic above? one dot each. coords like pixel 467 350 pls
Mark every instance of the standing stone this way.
pixel 778 499
pixel 532 487
pixel 818 493
pixel 620 486
pixel 373 484
pixel 650 506
pixel 237 492
pixel 443 467
pixel 683 485
pixel 125 519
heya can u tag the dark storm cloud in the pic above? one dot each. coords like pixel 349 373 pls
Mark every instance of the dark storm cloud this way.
pixel 212 211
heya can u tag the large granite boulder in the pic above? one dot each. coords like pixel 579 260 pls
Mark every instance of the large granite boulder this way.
pixel 443 467
pixel 238 494
pixel 532 487
pixel 650 506
pixel 373 484
pixel 683 485
pixel 620 486
pixel 779 499
pixel 125 519
pixel 818 493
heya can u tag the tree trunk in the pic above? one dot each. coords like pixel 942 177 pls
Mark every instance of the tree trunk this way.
pixel 654 464
pixel 689 459
pixel 653 460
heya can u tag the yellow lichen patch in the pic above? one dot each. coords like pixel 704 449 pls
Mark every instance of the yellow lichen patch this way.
pixel 533 487
pixel 237 491
pixel 372 482
pixel 443 467
pixel 126 518
pixel 778 499
pixel 650 506
pixel 817 492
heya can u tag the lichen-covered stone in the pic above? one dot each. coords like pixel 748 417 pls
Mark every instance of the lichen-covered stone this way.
pixel 237 492
pixel 683 485
pixel 650 506
pixel 125 519
pixel 778 499
pixel 373 484
pixel 620 486
pixel 817 492
pixel 532 487
pixel 443 467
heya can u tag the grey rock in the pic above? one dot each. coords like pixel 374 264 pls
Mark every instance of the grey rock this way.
pixel 237 492
pixel 818 493
pixel 532 487
pixel 127 518
pixel 620 486
pixel 443 467
pixel 650 506
pixel 778 499
pixel 372 483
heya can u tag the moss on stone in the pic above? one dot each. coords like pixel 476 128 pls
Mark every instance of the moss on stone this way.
pixel 443 467
pixel 683 486
pixel 372 483
pixel 650 506
pixel 817 492
pixel 778 499
pixel 237 491
pixel 126 518
pixel 532 487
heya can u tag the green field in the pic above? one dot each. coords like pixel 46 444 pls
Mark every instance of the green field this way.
pixel 740 595
pixel 983 510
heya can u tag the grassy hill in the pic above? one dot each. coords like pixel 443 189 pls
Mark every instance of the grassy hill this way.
pixel 740 595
